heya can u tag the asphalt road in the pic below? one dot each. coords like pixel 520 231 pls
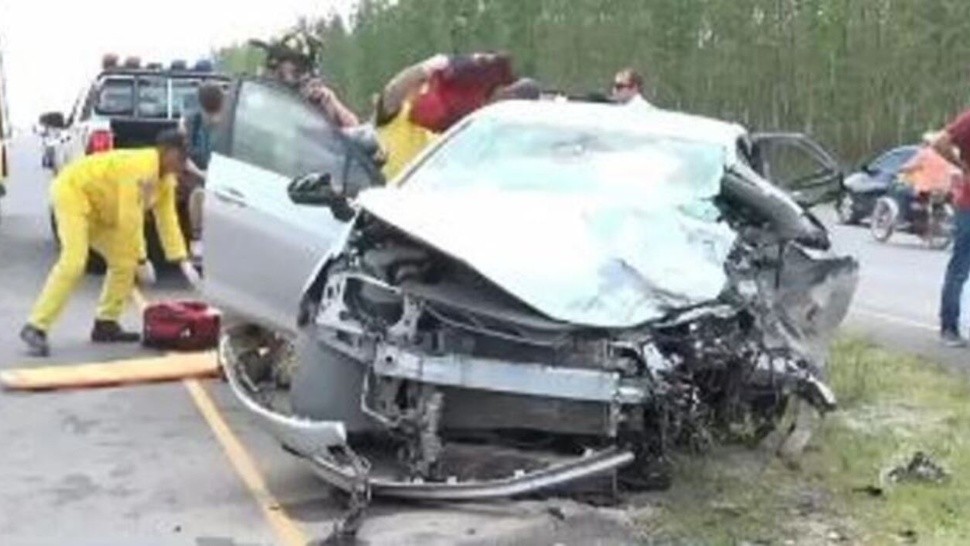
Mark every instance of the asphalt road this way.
pixel 132 465
pixel 897 301
pixel 143 465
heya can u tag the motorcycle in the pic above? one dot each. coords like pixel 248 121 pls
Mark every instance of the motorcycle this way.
pixel 926 214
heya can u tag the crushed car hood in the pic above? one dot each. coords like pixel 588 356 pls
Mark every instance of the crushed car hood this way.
pixel 600 262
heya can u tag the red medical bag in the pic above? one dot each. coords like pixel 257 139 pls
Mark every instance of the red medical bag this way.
pixel 181 326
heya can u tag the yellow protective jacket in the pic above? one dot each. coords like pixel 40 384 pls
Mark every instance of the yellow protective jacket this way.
pixel 402 140
pixel 107 188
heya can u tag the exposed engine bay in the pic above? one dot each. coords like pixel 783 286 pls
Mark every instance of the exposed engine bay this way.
pixel 554 294
pixel 418 377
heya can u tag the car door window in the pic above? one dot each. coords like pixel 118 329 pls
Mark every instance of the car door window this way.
pixel 185 97
pixel 788 164
pixel 274 129
pixel 116 97
pixel 797 164
pixel 152 97
pixel 893 161
pixel 792 162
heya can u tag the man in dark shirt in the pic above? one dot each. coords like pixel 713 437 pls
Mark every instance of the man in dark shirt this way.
pixel 954 145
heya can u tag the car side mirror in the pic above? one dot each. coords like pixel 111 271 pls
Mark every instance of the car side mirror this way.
pixel 868 169
pixel 318 189
pixel 53 120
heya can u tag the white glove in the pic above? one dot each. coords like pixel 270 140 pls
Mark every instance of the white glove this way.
pixel 190 273
pixel 146 273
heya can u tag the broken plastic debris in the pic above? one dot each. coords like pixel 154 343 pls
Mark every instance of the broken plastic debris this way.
pixel 920 468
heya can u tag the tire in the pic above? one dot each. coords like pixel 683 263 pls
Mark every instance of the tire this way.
pixel 327 385
pixel 96 264
pixel 884 217
pixel 845 210
pixel 940 234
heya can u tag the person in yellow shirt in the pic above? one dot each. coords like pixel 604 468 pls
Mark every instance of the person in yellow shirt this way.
pixel 99 202
pixel 401 138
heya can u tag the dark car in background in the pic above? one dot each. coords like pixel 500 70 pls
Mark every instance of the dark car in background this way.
pixel 861 189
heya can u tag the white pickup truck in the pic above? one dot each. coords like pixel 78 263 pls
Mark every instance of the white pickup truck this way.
pixel 126 107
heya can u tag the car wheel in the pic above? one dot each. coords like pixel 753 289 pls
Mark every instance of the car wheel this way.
pixel 884 217
pixel 845 209
pixel 326 385
pixel 940 231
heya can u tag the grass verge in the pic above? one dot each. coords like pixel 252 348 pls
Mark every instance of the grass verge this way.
pixel 891 406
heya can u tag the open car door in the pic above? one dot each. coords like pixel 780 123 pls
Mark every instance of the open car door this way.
pixel 797 164
pixel 260 246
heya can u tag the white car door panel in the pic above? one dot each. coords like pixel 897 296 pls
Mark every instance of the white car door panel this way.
pixel 260 246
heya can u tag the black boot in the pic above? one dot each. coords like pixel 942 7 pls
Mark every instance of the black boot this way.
pixel 109 331
pixel 36 341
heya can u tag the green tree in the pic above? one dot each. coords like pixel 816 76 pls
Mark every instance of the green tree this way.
pixel 860 75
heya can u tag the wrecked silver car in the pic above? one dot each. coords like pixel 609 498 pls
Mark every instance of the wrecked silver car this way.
pixel 555 291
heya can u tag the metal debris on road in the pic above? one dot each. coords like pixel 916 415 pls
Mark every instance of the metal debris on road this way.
pixel 920 468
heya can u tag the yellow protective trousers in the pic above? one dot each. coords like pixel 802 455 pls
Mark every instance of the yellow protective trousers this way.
pixel 79 231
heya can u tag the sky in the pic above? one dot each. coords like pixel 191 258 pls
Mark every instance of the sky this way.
pixel 53 48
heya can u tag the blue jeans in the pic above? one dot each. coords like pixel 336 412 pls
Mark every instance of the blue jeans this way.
pixel 956 273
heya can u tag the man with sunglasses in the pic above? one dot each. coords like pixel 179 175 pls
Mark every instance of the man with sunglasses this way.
pixel 628 88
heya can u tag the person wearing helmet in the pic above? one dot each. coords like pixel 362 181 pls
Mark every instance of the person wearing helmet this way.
pixel 291 61
pixel 100 202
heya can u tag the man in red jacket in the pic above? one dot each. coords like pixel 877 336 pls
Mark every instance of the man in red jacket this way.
pixel 954 145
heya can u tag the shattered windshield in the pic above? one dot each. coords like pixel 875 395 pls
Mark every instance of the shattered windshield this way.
pixel 572 158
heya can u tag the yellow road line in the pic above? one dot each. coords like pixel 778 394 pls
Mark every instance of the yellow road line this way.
pixel 286 530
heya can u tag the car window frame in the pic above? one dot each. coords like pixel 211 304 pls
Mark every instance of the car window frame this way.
pixel 887 156
pixel 93 92
pixel 225 141
pixel 172 84
pixel 166 85
pixel 808 190
pixel 77 109
pixel 431 149
pixel 102 82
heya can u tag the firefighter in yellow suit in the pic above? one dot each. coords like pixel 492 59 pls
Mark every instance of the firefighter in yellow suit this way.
pixel 99 202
